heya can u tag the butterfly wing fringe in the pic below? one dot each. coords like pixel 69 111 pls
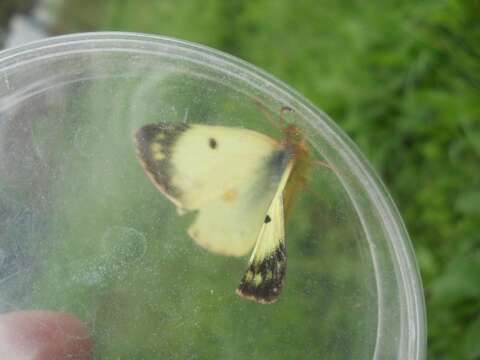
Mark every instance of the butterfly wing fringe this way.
pixel 263 280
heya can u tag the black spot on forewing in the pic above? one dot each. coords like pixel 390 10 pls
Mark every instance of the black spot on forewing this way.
pixel 162 136
pixel 263 280
pixel 212 143
pixel 267 219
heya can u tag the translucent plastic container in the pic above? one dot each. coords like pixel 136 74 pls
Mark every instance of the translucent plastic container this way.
pixel 83 231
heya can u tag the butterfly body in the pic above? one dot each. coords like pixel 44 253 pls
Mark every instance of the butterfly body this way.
pixel 235 180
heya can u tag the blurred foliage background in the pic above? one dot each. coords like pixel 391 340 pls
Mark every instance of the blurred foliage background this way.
pixel 402 78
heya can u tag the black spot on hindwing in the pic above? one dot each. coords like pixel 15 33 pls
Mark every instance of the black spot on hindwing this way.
pixel 263 280
pixel 163 136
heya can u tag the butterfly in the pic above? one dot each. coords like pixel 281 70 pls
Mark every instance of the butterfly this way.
pixel 239 182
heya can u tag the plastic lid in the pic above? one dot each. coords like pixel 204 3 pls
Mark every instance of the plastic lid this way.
pixel 83 231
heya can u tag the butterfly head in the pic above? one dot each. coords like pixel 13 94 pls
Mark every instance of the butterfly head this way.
pixel 294 141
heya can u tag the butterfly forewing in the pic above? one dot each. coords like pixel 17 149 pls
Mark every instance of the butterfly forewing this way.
pixel 263 280
pixel 228 175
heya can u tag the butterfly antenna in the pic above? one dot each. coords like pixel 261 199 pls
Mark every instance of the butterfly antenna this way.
pixel 284 110
pixel 185 115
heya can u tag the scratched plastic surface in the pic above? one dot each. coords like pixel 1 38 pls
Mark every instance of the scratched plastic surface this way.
pixel 82 230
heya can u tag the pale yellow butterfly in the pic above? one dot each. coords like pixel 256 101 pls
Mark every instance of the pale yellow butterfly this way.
pixel 239 181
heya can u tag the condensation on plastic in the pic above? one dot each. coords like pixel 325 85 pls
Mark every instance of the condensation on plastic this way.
pixel 80 227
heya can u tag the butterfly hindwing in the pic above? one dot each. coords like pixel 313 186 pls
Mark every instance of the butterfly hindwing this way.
pixel 228 175
pixel 231 229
